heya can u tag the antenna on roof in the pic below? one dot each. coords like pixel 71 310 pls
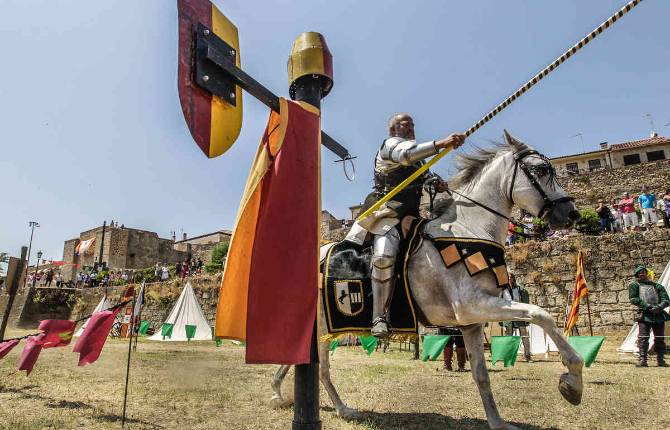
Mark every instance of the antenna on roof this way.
pixel 581 139
pixel 651 121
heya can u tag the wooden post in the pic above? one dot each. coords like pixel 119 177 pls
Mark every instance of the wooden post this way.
pixel 588 310
pixel 14 271
pixel 306 388
pixel 130 343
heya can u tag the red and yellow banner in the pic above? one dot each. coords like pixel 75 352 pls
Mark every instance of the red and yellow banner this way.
pixel 581 291
pixel 269 290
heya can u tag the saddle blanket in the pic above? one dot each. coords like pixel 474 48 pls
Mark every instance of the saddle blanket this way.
pixel 478 255
pixel 347 289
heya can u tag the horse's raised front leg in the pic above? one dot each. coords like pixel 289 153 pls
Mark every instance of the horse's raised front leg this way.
pixel 277 379
pixel 473 336
pixel 342 410
pixel 498 309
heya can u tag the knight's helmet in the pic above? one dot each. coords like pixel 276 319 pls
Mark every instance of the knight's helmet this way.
pixel 310 56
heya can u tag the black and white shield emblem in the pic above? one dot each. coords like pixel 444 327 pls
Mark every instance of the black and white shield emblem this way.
pixel 349 296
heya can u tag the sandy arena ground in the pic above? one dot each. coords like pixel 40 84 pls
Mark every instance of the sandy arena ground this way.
pixel 198 386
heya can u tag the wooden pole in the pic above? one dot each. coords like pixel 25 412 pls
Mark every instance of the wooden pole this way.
pixel 306 388
pixel 588 310
pixel 14 271
pixel 130 343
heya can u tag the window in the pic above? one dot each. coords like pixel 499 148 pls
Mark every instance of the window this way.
pixel 631 159
pixel 572 167
pixel 655 155
pixel 594 165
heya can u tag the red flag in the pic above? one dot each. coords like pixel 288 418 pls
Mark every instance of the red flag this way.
pixel 269 290
pixel 30 353
pixel 90 343
pixel 581 290
pixel 5 347
pixel 56 332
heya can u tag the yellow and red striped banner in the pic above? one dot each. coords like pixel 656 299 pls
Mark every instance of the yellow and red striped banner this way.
pixel 581 291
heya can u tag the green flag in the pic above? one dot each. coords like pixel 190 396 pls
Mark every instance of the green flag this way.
pixel 144 327
pixel 333 345
pixel 504 348
pixel 369 343
pixel 190 331
pixel 433 346
pixel 166 330
pixel 587 346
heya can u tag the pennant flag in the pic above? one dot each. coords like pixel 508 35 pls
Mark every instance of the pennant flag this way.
pixel 90 343
pixel 587 347
pixel 56 333
pixel 144 327
pixel 504 348
pixel 271 304
pixel 30 354
pixel 190 331
pixel 5 347
pixel 369 343
pixel 333 345
pixel 581 291
pixel 83 246
pixel 139 301
pixel 166 330
pixel 433 346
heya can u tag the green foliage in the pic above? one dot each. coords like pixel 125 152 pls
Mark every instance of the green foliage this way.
pixel 218 255
pixel 589 223
pixel 146 275
pixel 540 228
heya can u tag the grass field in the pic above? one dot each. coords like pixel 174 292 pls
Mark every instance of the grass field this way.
pixel 198 386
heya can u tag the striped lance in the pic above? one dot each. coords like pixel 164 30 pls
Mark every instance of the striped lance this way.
pixel 525 87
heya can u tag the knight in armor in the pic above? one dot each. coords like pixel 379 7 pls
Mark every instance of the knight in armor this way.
pixel 650 299
pixel 516 292
pixel 397 158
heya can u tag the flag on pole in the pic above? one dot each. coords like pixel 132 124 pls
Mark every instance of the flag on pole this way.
pixel 56 333
pixel 504 348
pixel 369 343
pixel 433 346
pixel 269 290
pixel 139 301
pixel 30 354
pixel 581 291
pixel 587 347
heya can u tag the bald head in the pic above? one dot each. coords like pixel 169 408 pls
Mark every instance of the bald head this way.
pixel 401 125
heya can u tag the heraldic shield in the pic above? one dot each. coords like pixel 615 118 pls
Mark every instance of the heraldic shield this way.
pixel 349 295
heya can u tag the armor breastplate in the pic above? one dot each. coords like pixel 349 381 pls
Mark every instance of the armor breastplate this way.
pixel 385 182
pixel 649 294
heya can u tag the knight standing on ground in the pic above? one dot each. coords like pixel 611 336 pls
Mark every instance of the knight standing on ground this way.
pixel 650 298
pixel 398 158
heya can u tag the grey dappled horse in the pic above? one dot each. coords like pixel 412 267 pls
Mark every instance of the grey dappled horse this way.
pixel 499 178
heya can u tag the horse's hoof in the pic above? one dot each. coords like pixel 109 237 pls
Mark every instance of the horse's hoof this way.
pixel 570 388
pixel 280 403
pixel 347 413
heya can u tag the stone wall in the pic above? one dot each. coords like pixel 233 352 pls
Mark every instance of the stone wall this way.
pixel 588 188
pixel 548 268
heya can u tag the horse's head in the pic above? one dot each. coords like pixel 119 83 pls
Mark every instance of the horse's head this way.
pixel 535 188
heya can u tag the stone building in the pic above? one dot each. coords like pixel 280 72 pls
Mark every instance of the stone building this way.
pixel 201 247
pixel 654 148
pixel 122 248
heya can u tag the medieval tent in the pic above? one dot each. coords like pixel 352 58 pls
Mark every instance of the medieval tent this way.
pixel 630 343
pixel 104 304
pixel 186 320
pixel 540 342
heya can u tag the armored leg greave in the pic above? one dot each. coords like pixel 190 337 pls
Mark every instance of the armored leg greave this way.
pixel 384 255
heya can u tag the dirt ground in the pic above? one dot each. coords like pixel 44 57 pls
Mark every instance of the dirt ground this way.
pixel 199 386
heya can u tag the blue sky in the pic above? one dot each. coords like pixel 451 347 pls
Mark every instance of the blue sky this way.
pixel 91 128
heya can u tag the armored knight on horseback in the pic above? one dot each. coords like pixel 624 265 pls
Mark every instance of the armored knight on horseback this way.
pixel 397 158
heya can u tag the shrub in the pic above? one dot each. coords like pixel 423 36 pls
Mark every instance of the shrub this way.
pixel 218 255
pixel 589 222
pixel 540 228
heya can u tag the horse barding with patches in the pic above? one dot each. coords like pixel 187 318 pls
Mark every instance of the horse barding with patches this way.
pixel 485 189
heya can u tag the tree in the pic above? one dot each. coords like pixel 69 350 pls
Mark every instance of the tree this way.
pixel 218 256
pixel 4 259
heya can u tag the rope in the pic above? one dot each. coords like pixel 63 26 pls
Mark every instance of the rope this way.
pixel 518 93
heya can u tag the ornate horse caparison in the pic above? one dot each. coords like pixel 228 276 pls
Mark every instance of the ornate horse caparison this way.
pixel 499 178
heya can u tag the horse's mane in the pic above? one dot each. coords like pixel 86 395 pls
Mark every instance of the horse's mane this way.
pixel 470 165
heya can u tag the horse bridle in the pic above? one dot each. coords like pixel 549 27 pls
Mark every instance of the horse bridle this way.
pixel 519 163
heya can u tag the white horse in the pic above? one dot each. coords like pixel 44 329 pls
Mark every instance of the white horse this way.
pixel 496 178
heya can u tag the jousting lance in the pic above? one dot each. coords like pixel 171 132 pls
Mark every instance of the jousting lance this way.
pixel 525 87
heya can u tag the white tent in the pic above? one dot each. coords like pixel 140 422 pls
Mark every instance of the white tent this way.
pixel 104 304
pixel 540 343
pixel 186 311
pixel 630 343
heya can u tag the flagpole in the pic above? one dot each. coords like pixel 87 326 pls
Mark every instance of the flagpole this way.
pixel 130 343
pixel 588 310
pixel 139 317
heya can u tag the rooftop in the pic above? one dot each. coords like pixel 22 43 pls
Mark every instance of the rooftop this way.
pixel 650 141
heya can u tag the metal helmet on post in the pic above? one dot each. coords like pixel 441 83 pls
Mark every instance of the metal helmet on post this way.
pixel 310 56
